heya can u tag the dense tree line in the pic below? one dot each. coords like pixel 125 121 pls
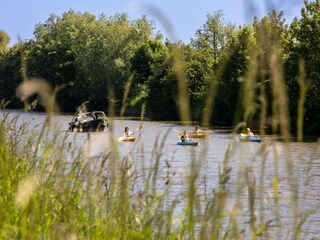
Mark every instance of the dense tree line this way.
pixel 225 75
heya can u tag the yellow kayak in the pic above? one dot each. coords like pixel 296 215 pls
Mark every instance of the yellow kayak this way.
pixel 197 135
pixel 193 135
pixel 127 139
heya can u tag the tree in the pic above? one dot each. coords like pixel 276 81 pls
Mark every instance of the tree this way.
pixel 303 46
pixel 214 34
pixel 4 41
pixel 104 57
pixel 270 96
pixel 52 56
pixel 144 64
pixel 162 99
pixel 199 65
pixel 87 54
pixel 227 109
pixel 11 74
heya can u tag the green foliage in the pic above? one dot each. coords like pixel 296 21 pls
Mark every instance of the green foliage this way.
pixel 269 35
pixel 104 58
pixel 144 64
pixel 227 107
pixel 162 98
pixel 10 74
pixel 145 59
pixel 304 46
pixel 85 54
pixel 214 34
pixel 199 71
pixel 4 41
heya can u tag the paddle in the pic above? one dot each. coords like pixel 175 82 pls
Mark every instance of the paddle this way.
pixel 178 131
pixel 208 131
pixel 139 128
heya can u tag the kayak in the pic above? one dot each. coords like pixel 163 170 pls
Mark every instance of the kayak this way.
pixel 89 122
pixel 188 143
pixel 127 139
pixel 250 139
pixel 194 135
pixel 197 135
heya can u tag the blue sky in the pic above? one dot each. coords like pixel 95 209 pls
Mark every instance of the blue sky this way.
pixel 18 18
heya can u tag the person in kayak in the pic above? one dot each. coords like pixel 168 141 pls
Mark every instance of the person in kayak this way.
pixel 127 132
pixel 185 136
pixel 197 130
pixel 249 133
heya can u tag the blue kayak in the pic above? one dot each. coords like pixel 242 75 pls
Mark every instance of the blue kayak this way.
pixel 188 143
pixel 250 139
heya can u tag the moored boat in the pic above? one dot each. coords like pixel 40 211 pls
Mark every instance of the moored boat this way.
pixel 95 121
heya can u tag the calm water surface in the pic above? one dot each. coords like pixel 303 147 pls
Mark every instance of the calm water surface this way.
pixel 257 159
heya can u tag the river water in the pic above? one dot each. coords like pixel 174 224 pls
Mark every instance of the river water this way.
pixel 295 165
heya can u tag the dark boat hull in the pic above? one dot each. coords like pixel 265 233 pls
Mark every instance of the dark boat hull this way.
pixel 87 127
pixel 89 122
